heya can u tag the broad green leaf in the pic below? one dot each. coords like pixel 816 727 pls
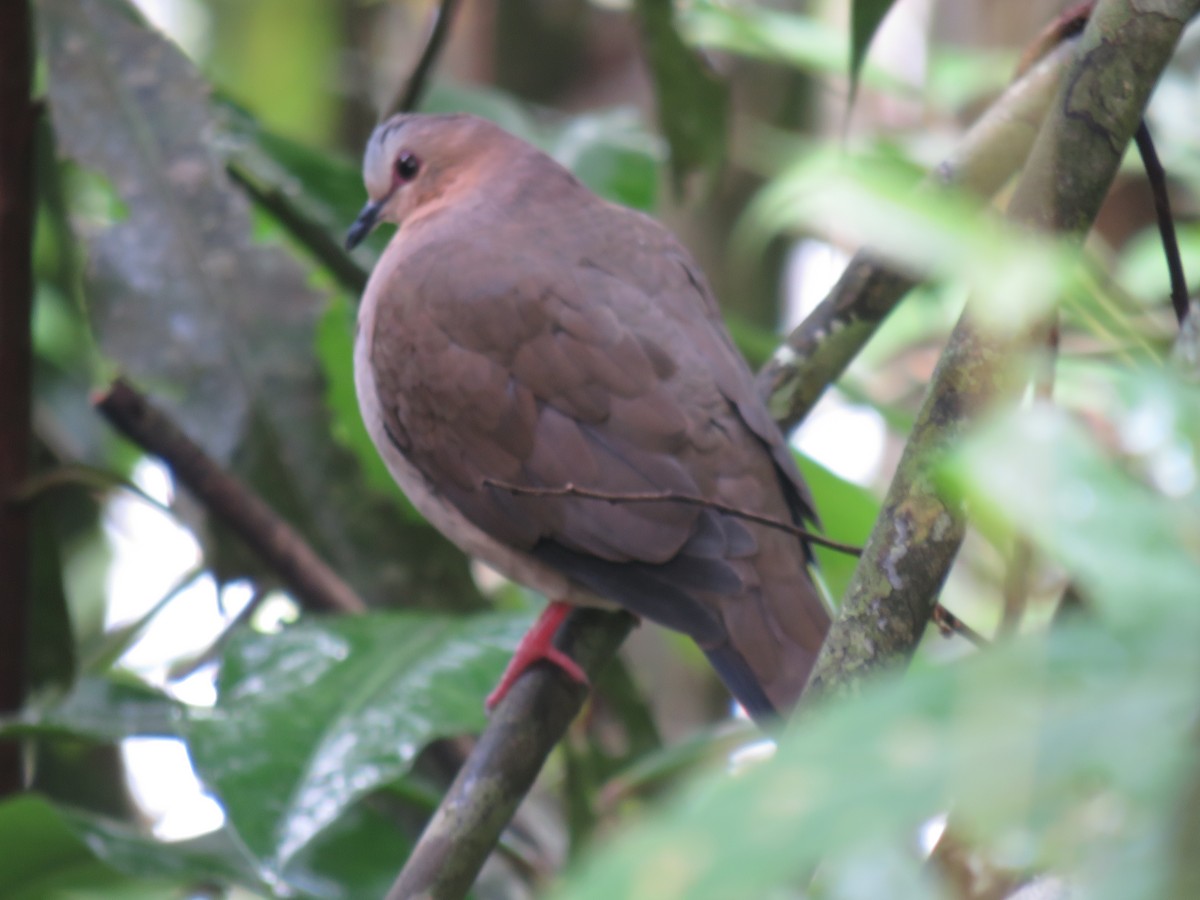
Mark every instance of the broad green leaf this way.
pixel 216 856
pixel 865 18
pixel 37 844
pixel 221 327
pixel 693 103
pixel 45 859
pixel 357 856
pixel 310 720
pixel 103 709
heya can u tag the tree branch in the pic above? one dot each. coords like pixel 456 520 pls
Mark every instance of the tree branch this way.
pixel 502 767
pixel 315 585
pixel 309 232
pixel 18 115
pixel 818 351
pixel 1073 161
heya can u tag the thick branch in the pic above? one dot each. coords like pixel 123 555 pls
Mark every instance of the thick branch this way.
pixel 818 351
pixel 1073 161
pixel 18 114
pixel 281 548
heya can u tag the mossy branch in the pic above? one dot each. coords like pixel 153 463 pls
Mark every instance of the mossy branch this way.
pixel 1073 161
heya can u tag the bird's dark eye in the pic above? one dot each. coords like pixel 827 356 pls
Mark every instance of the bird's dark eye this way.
pixel 407 167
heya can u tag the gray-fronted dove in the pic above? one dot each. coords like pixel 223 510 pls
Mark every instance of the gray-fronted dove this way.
pixel 521 342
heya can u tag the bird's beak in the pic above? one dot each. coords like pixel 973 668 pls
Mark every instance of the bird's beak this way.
pixel 362 226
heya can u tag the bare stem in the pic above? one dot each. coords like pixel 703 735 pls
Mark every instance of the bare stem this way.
pixel 572 490
pixel 414 89
pixel 315 585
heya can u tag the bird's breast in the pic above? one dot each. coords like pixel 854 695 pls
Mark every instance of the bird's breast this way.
pixel 513 563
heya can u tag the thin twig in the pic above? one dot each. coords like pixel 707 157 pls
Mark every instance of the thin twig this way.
pixel 572 490
pixel 414 89
pixel 183 668
pixel 315 585
pixel 1157 177
pixel 313 235
pixel 949 624
pixel 117 641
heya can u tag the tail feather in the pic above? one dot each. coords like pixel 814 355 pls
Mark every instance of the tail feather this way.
pixel 737 675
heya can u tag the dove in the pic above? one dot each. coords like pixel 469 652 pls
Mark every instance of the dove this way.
pixel 548 378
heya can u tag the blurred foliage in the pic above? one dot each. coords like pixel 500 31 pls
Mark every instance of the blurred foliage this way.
pixel 692 102
pixel 865 19
pixel 191 216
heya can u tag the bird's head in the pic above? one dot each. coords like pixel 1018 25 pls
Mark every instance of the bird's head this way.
pixel 413 160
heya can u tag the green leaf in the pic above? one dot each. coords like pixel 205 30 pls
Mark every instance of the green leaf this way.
pixel 357 856
pixel 44 859
pixel 102 709
pixel 804 42
pixel 693 103
pixel 223 328
pixel 1132 548
pixel 1016 276
pixel 608 150
pixel 847 513
pixel 865 18
pixel 335 349
pixel 310 720
pixel 316 193
pixel 216 856
pixel 611 152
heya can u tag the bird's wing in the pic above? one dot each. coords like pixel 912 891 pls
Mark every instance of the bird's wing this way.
pixel 508 381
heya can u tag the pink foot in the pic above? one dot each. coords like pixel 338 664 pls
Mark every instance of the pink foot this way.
pixel 537 645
